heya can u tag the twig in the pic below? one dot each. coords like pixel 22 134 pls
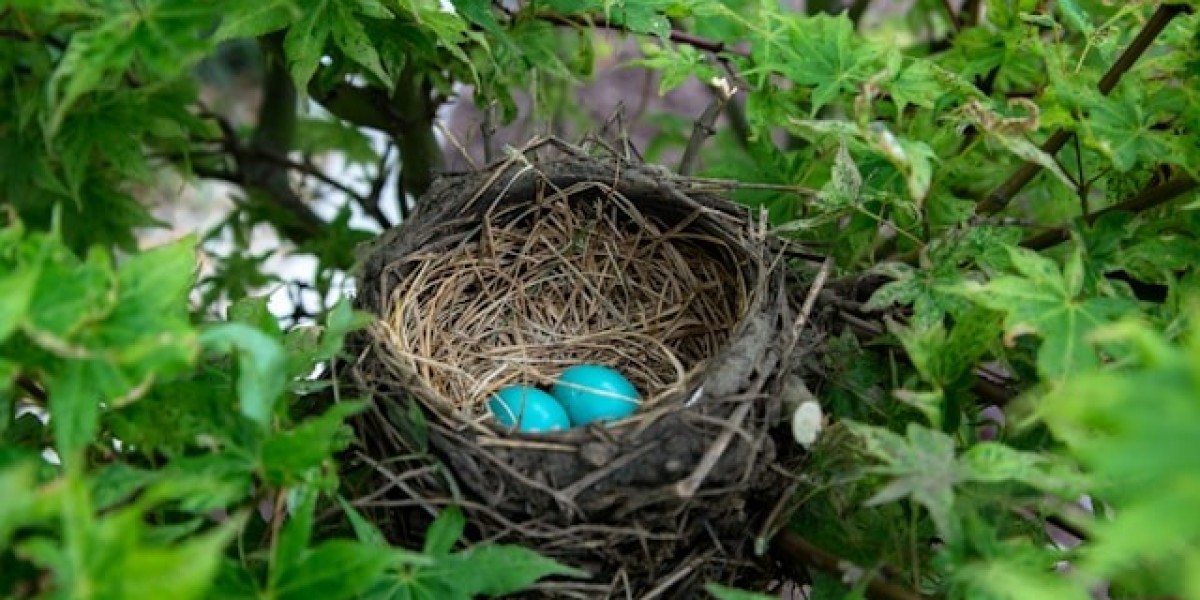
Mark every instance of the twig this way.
pixel 792 548
pixel 717 48
pixel 814 291
pixel 1070 528
pixel 954 23
pixel 20 36
pixel 307 169
pixel 704 126
pixel 1147 199
pixel 686 488
pixel 487 129
pixel 1002 195
pixel 371 202
pixel 970 13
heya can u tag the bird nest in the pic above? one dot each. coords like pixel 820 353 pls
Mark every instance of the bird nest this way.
pixel 510 275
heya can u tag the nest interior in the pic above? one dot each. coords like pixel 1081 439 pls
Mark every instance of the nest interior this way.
pixel 513 273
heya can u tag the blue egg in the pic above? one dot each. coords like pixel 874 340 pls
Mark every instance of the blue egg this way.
pixel 595 393
pixel 530 409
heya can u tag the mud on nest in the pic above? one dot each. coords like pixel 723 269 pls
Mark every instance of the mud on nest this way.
pixel 509 275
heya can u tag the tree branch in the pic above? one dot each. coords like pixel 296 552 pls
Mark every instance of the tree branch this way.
pixel 273 137
pixel 704 127
pixel 1147 199
pixel 1002 195
pixel 792 548
pixel 412 130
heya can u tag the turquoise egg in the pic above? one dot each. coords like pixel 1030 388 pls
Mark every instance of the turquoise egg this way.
pixel 595 393
pixel 530 409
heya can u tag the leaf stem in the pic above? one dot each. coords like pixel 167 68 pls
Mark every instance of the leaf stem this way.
pixel 999 198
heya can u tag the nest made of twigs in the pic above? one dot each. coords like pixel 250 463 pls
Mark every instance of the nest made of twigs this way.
pixel 513 273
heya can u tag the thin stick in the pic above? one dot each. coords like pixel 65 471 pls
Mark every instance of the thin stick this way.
pixel 687 487
pixel 717 48
pixel 674 578
pixel 810 301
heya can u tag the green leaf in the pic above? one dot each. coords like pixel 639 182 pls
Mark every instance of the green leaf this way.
pixel 845 182
pixel 1041 301
pixel 334 570
pixel 993 462
pixel 1003 577
pixel 149 329
pixel 293 542
pixel 254 19
pixel 183 571
pixel 166 36
pixel 496 570
pixel 69 295
pixel 255 312
pixel 1029 152
pixel 305 42
pixel 445 531
pixel 262 367
pixel 341 321
pixel 914 159
pixel 352 38
pixel 18 289
pixel 822 51
pixel 922 466
pixel 1074 16
pixel 74 409
pixel 287 455
pixel 942 357
pixel 20 487
pixel 478 12
pixel 925 289
pixel 721 592
pixel 1125 129
pixel 364 530
pixel 641 18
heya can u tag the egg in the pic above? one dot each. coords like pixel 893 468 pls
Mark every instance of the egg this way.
pixel 530 409
pixel 595 393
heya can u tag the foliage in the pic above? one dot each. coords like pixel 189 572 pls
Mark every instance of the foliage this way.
pixel 1007 190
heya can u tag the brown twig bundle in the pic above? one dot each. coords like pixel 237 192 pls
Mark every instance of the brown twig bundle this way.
pixel 512 274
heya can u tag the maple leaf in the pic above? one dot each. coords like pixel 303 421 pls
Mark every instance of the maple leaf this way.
pixel 1126 130
pixel 924 467
pixel 1045 300
pixel 825 53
